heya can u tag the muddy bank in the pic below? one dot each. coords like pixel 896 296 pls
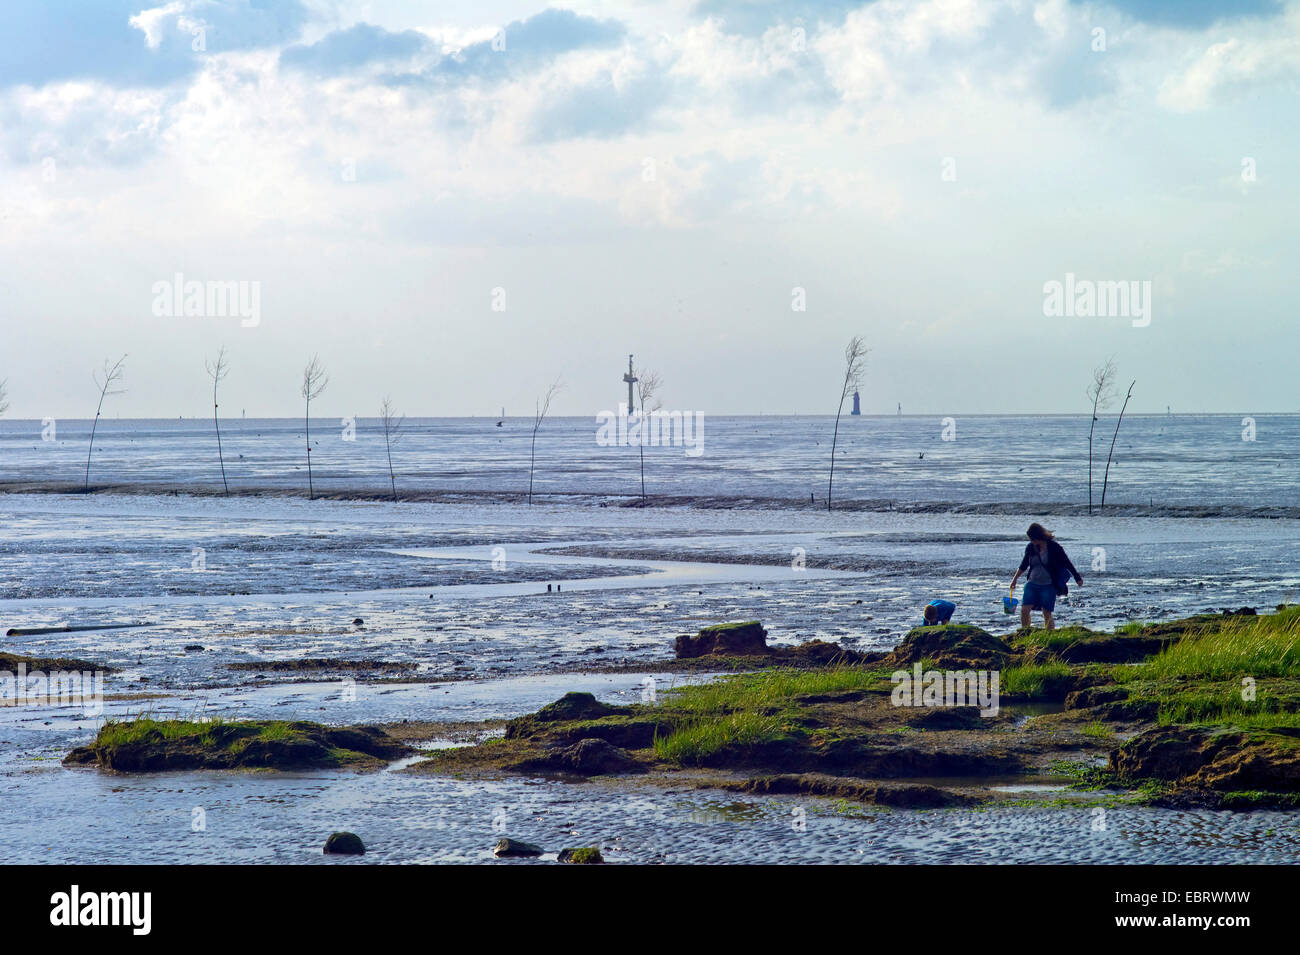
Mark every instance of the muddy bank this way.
pixel 323 664
pixel 10 662
pixel 1147 714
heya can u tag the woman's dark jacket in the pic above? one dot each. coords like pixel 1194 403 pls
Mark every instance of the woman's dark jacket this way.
pixel 1058 562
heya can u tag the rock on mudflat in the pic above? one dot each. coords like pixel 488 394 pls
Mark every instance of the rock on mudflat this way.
pixel 724 639
pixel 587 757
pixel 344 844
pixel 587 856
pixel 595 757
pixel 512 848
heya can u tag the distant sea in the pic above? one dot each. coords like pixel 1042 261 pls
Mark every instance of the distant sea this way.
pixel 1163 465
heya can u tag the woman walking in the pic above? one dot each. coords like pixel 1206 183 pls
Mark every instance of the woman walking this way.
pixel 1048 568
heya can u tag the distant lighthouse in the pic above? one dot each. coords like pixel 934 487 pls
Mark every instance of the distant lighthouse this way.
pixel 857 405
pixel 631 379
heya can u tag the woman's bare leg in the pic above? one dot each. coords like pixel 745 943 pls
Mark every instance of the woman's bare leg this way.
pixel 1024 617
pixel 1048 622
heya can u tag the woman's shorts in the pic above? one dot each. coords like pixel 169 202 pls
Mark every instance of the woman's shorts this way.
pixel 1040 597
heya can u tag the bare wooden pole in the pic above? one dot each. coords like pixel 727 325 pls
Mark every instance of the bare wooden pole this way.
pixel 110 377
pixel 854 356
pixel 1112 443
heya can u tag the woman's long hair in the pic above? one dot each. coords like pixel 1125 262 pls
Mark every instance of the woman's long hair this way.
pixel 1037 532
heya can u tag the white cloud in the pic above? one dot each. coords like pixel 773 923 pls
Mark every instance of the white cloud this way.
pixel 1258 53
pixel 153 21
pixel 773 167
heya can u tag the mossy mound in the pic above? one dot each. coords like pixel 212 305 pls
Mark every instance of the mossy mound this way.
pixel 959 646
pixel 570 707
pixel 575 706
pixel 1212 757
pixel 150 746
pixel 589 855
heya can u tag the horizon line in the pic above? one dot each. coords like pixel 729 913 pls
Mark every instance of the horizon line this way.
pixel 796 414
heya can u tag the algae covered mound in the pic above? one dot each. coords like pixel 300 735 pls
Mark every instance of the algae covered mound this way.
pixel 586 855
pixel 148 746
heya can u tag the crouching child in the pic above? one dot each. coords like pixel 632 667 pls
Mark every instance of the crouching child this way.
pixel 938 612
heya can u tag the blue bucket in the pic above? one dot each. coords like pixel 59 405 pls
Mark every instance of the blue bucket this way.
pixel 1009 604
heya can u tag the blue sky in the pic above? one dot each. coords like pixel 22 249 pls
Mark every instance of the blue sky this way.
pixel 656 178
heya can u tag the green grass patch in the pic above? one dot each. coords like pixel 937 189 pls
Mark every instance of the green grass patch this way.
pixel 1051 640
pixel 698 740
pixel 1037 680
pixel 279 729
pixel 751 708
pixel 120 732
pixel 769 689
pixel 1236 647
pixel 1098 730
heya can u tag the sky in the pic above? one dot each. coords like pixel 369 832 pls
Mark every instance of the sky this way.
pixel 458 203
